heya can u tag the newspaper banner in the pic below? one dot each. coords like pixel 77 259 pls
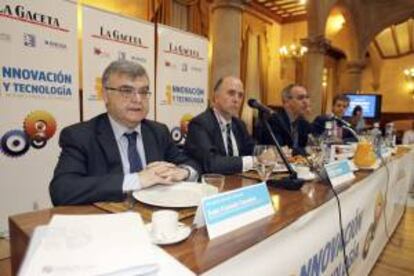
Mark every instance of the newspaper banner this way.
pixel 312 245
pixel 108 37
pixel 182 79
pixel 38 97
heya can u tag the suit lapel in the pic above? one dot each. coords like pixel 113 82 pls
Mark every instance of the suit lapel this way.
pixel 150 142
pixel 106 140
pixel 286 127
pixel 216 131
pixel 237 135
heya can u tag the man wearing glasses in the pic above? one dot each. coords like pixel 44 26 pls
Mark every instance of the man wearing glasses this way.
pixel 120 151
pixel 289 125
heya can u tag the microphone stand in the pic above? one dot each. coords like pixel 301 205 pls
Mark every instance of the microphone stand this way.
pixel 352 131
pixel 291 182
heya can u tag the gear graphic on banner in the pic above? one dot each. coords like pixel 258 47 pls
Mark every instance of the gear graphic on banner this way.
pixel 15 143
pixel 38 127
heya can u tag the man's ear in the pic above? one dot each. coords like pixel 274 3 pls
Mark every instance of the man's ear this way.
pixel 104 96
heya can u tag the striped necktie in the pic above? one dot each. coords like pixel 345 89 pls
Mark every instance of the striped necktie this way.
pixel 229 141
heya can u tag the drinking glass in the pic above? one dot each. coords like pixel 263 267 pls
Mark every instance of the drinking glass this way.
pixel 266 160
pixel 315 151
pixel 214 179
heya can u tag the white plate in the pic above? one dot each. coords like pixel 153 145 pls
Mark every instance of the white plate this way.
pixel 308 176
pixel 182 233
pixel 280 168
pixel 180 195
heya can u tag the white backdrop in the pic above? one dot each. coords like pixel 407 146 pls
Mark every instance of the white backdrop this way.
pixel 182 78
pixel 108 37
pixel 38 96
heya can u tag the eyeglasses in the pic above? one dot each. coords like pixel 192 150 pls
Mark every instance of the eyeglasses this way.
pixel 301 97
pixel 128 92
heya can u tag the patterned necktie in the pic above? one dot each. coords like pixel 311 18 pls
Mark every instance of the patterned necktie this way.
pixel 229 142
pixel 135 164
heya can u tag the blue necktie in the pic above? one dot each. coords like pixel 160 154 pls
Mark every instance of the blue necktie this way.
pixel 135 164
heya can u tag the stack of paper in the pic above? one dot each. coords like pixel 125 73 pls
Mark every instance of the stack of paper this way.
pixel 110 244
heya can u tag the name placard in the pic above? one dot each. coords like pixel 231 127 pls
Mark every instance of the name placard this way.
pixel 231 210
pixel 339 172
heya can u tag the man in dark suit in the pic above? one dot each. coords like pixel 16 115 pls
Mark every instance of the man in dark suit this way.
pixel 120 151
pixel 340 104
pixel 217 138
pixel 290 127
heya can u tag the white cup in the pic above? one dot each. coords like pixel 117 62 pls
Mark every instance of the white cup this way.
pixel 302 171
pixel 164 224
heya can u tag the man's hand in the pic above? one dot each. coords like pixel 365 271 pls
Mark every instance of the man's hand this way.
pixel 161 172
pixel 152 175
pixel 176 174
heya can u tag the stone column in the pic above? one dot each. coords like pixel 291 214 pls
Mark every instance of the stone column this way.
pixel 315 61
pixel 353 77
pixel 226 28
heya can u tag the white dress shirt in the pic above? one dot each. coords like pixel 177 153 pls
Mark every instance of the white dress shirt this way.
pixel 131 180
pixel 248 161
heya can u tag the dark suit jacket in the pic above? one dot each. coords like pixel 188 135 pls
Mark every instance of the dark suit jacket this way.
pixel 280 124
pixel 90 167
pixel 318 127
pixel 205 144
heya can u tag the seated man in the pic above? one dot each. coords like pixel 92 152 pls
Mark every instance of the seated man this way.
pixel 340 104
pixel 289 125
pixel 217 138
pixel 119 151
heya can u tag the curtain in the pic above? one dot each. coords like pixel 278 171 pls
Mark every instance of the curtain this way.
pixel 187 15
pixel 263 67
pixel 253 71
pixel 160 11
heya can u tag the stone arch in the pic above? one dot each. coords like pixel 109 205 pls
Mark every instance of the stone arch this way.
pixel 318 12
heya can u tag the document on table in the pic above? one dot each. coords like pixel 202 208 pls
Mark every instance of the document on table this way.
pixel 109 244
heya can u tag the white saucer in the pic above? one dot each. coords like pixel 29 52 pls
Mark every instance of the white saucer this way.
pixel 182 233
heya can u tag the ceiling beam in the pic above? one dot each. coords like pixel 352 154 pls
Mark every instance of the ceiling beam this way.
pixel 411 34
pixel 259 8
pixel 377 46
pixel 285 1
pixel 395 40
pixel 295 18
pixel 293 9
pixel 292 5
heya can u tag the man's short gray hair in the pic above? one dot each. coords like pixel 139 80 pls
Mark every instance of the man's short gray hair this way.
pixel 287 91
pixel 129 68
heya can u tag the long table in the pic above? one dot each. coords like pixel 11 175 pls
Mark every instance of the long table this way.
pixel 301 238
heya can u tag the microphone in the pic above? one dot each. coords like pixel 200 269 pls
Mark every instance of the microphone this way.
pixel 253 103
pixel 341 121
pixel 291 182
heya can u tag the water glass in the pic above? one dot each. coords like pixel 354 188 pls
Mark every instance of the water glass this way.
pixel 266 160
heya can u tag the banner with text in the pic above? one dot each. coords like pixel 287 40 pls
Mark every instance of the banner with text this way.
pixel 109 37
pixel 38 97
pixel 182 79
pixel 312 245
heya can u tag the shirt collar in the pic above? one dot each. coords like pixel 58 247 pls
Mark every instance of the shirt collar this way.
pixel 290 117
pixel 119 129
pixel 221 120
